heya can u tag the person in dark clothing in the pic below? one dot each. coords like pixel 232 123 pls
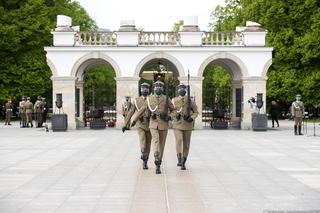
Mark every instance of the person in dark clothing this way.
pixel 274 111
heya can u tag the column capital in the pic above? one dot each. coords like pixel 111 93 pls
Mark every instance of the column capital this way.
pixel 192 78
pixel 127 79
pixel 253 79
pixel 63 78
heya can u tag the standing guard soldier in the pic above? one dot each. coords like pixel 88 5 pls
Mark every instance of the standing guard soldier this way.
pixel 29 110
pixel 126 107
pixel 38 109
pixel 45 110
pixel 142 123
pixel 184 114
pixel 159 106
pixel 22 112
pixel 8 110
pixel 297 111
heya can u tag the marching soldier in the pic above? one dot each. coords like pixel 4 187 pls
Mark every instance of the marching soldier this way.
pixel 159 106
pixel 126 106
pixel 297 111
pixel 29 110
pixel 184 114
pixel 8 110
pixel 142 123
pixel 38 109
pixel 22 112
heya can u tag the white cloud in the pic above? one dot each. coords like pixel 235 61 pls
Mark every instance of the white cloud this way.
pixel 149 14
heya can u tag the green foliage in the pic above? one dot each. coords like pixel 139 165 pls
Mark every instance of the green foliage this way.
pixel 177 25
pixel 293 31
pixel 216 86
pixel 100 86
pixel 25 28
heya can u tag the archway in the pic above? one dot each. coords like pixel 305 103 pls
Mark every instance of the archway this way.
pixel 163 70
pixel 230 99
pixel 95 91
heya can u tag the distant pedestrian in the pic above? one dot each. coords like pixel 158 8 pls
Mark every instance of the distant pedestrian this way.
pixel 8 111
pixel 274 111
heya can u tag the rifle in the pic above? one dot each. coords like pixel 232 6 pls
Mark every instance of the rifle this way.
pixel 189 98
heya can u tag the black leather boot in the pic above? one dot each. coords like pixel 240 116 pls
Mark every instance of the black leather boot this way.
pixel 145 164
pixel 157 162
pixel 183 163
pixel 300 130
pixel 295 130
pixel 179 156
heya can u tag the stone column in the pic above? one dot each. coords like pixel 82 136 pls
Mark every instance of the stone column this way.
pixel 66 86
pixel 79 85
pixel 126 86
pixel 252 86
pixel 196 93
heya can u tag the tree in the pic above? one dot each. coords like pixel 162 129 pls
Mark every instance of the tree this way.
pixel 100 86
pixel 24 31
pixel 293 31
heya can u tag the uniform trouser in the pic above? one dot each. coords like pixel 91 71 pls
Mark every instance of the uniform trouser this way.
pixel 8 117
pixel 297 121
pixel 29 118
pixel 158 140
pixel 128 125
pixel 23 119
pixel 145 142
pixel 182 138
pixel 39 118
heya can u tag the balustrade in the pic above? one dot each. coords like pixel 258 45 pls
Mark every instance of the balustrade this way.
pixel 160 38
pixel 96 38
pixel 222 38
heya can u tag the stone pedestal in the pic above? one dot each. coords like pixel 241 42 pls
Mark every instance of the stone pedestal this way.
pixel 65 86
pixel 126 86
pixel 252 86
pixel 259 122
pixel 59 122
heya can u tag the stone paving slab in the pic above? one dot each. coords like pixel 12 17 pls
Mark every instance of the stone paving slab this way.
pixel 100 171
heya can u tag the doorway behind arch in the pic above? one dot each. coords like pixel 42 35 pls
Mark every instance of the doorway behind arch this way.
pixel 99 93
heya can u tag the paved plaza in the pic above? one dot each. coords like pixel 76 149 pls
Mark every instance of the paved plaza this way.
pixel 99 171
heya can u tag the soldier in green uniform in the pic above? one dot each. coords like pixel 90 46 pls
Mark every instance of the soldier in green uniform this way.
pixel 184 114
pixel 29 110
pixel 126 107
pixel 22 112
pixel 8 110
pixel 38 109
pixel 142 123
pixel 297 111
pixel 160 107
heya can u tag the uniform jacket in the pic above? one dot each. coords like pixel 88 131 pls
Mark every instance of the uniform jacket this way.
pixel 38 107
pixel 144 120
pixel 8 107
pixel 181 107
pixel 21 107
pixel 297 109
pixel 159 108
pixel 28 107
